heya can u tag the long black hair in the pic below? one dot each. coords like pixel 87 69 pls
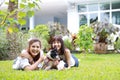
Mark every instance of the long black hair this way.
pixel 59 38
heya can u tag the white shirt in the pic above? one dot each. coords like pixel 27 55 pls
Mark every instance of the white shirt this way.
pixel 72 61
pixel 20 63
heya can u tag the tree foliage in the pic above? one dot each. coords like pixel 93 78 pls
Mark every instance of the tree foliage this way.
pixel 11 19
pixel 17 12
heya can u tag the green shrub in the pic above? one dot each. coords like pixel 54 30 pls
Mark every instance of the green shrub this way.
pixel 11 46
pixel 41 32
pixel 117 44
pixel 84 38
pixel 68 44
pixel 4 48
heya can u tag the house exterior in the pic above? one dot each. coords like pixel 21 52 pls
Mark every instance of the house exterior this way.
pixel 74 13
pixel 88 11
pixel 52 11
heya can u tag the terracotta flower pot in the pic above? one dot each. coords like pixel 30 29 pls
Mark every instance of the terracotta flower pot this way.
pixel 100 48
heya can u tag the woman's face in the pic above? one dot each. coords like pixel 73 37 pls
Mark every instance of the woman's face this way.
pixel 35 49
pixel 56 44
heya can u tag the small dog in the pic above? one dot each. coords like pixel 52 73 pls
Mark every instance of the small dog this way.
pixel 51 58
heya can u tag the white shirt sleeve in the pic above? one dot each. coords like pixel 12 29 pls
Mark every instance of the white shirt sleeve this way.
pixel 24 63
pixel 20 63
pixel 41 53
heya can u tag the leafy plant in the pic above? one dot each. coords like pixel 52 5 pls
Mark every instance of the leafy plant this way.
pixel 41 32
pixel 56 29
pixel 117 44
pixel 4 48
pixel 12 18
pixel 68 44
pixel 15 15
pixel 84 38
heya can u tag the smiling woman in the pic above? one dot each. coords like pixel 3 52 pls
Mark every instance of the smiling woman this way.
pixel 31 58
pixel 64 53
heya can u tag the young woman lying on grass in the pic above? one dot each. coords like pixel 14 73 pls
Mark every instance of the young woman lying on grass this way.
pixel 64 53
pixel 31 58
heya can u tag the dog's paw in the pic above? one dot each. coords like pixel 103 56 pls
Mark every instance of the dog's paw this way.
pixel 60 66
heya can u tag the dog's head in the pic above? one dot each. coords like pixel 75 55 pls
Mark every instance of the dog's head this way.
pixel 53 55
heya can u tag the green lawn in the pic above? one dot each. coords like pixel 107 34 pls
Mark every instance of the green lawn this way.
pixel 92 67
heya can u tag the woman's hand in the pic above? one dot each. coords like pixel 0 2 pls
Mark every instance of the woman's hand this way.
pixel 68 67
pixel 34 66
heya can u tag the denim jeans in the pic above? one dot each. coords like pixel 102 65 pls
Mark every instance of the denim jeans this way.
pixel 76 62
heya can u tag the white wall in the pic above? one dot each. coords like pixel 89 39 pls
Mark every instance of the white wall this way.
pixel 31 23
pixel 43 19
pixel 73 21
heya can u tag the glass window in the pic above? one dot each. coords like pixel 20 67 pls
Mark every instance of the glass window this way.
pixel 104 17
pixel 83 19
pixel 116 17
pixel 82 8
pixel 93 17
pixel 93 7
pixel 56 19
pixel 104 6
pixel 116 5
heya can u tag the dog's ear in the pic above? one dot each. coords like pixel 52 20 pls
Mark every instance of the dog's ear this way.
pixel 51 54
pixel 48 54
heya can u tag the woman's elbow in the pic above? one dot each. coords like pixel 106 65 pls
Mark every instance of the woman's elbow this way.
pixel 28 68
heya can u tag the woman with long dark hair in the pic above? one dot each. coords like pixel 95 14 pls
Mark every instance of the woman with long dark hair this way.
pixel 30 58
pixel 64 53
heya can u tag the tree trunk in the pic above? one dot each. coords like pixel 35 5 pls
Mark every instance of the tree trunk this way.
pixel 11 37
pixel 12 6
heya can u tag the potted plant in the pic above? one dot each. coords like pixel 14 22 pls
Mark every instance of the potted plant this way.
pixel 102 32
